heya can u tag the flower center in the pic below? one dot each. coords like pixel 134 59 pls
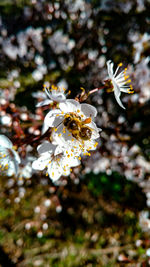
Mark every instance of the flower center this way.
pixel 108 86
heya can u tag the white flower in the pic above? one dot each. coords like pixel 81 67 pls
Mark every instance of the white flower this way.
pixel 9 158
pixel 80 132
pixel 118 82
pixel 53 94
pixel 56 160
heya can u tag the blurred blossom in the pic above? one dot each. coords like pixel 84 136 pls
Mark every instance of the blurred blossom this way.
pixel 6 120
pixel 144 220
pixel 47 203
pixel 39 234
pixel 140 45
pixel 61 43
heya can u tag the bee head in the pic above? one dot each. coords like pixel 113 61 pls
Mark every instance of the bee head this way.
pixel 67 120
pixel 73 125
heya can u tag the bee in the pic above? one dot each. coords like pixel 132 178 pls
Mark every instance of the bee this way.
pixel 77 127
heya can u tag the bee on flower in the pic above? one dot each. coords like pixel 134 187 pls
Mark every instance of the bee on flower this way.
pixel 118 82
pixel 73 125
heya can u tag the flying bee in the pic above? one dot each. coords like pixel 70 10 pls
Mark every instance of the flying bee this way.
pixel 77 127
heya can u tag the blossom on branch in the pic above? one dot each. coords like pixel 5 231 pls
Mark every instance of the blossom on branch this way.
pixel 57 161
pixel 53 94
pixel 73 126
pixel 118 82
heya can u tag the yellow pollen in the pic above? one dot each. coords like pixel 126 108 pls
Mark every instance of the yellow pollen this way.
pixel 72 150
pixel 50 161
pixel 55 129
pixel 4 155
pixel 120 64
pixel 66 152
pixel 57 115
pixel 54 87
pixel 78 110
pixel 46 174
pixel 0 166
pixel 68 156
pixel 79 158
pixel 52 173
pixel 71 170
pixel 69 134
pixel 72 139
pixel 95 145
pixel 59 135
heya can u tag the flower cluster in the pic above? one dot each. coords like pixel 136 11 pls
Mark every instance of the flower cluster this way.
pixel 68 127
pixel 73 133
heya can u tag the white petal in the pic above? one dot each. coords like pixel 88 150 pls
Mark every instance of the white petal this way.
pixel 16 156
pixel 5 142
pixel 72 162
pixel 117 94
pixel 54 171
pixel 46 147
pixel 47 93
pixel 88 110
pixel 110 68
pixel 58 150
pixel 41 162
pixel 69 105
pixel 52 120
pixel 58 97
pixel 44 128
pixel 12 170
pixel 44 103
pixel 95 130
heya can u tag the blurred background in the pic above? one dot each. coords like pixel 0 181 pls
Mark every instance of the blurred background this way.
pixel 99 216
